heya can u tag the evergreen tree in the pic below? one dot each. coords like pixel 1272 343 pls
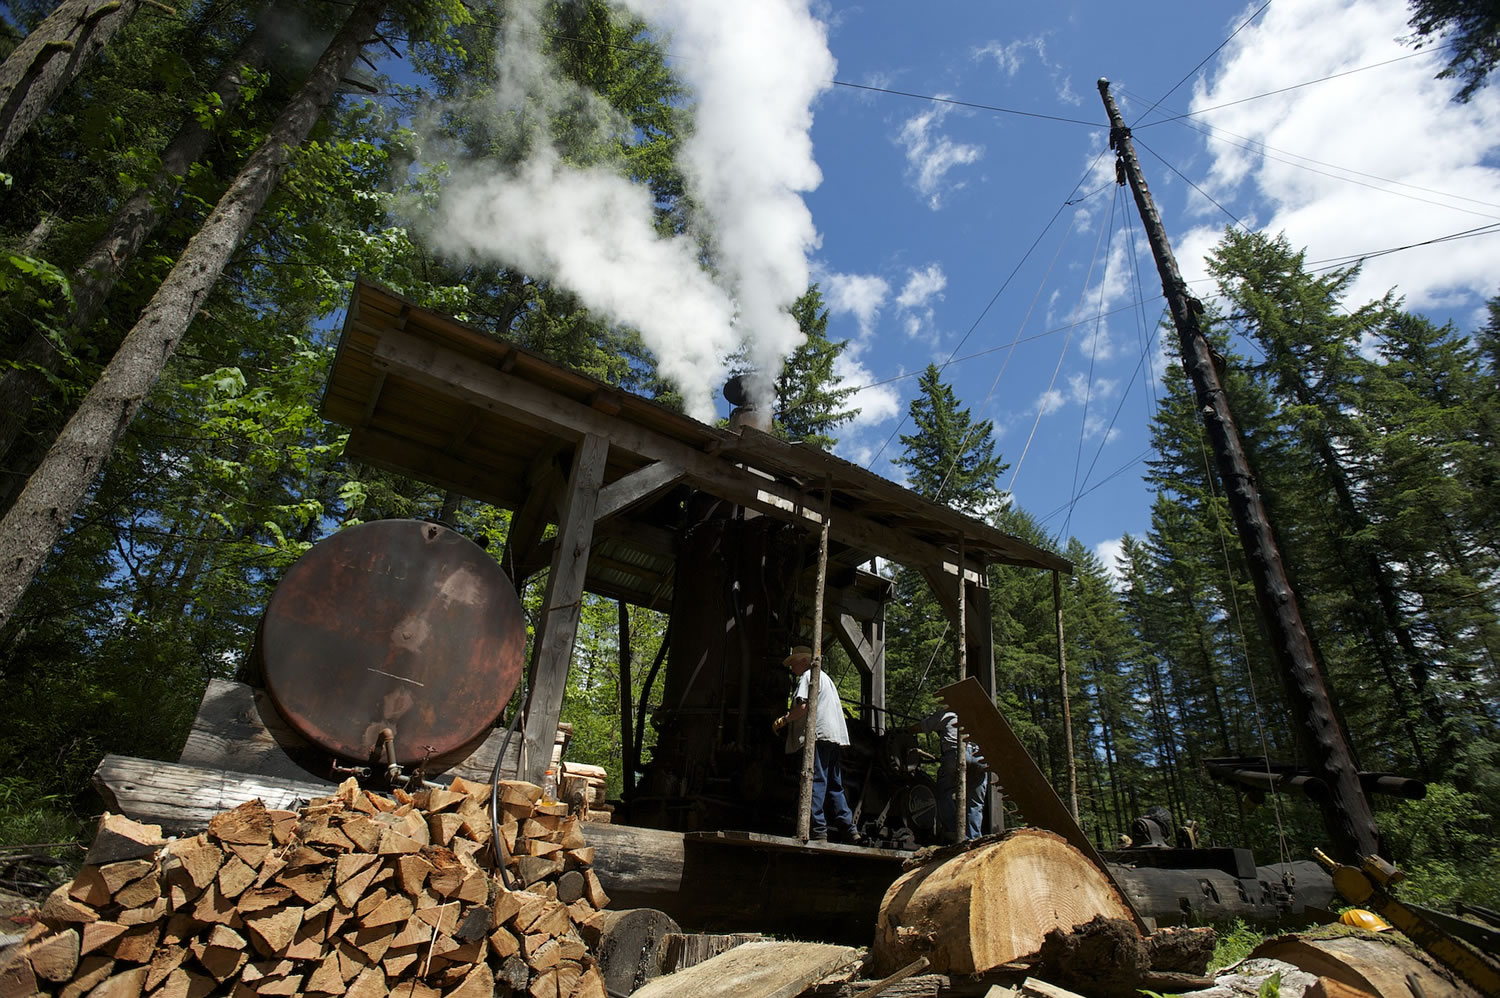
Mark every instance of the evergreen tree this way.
pixel 950 458
pixel 1471 28
pixel 809 399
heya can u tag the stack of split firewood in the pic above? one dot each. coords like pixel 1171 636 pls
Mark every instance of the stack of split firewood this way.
pixel 354 894
pixel 583 788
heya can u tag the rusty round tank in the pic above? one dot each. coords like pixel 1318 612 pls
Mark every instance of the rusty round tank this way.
pixel 394 624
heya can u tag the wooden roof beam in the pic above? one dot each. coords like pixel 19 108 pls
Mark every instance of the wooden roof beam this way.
pixel 532 405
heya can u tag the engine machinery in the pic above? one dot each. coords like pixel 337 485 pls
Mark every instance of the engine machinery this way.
pixel 392 648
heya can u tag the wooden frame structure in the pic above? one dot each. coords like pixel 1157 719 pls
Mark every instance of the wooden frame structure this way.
pixel 431 397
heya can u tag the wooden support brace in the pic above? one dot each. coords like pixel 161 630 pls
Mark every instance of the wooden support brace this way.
pixel 544 482
pixel 563 604
pixel 637 487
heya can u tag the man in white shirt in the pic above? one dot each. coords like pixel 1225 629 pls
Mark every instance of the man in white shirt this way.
pixel 829 808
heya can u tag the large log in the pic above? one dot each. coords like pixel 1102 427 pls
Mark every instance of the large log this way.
pixel 992 904
pixel 1366 962
pixel 630 945
pixel 717 883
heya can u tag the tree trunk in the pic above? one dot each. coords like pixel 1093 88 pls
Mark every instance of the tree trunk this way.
pixel 990 905
pixel 24 385
pixel 46 506
pixel 48 59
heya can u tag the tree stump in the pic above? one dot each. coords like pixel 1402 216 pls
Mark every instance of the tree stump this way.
pixel 991 905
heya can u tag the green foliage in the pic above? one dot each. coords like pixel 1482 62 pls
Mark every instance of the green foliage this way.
pixel 809 401
pixel 1445 845
pixel 230 472
pixel 949 457
pixel 29 816
pixel 1470 29
pixel 1233 943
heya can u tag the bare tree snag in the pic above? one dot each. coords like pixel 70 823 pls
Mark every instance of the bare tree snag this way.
pixel 46 505
pixel 992 904
pixel 48 59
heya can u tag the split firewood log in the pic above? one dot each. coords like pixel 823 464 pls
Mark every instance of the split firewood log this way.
pixel 356 893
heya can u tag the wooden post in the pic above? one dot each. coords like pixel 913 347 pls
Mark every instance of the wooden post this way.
pixel 627 715
pixel 875 636
pixel 1346 813
pixel 562 605
pixel 961 786
pixel 815 674
pixel 1062 678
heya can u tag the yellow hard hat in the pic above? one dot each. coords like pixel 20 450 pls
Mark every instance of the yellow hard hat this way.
pixel 1362 919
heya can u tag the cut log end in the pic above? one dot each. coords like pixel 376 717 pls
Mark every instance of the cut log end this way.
pixel 991 905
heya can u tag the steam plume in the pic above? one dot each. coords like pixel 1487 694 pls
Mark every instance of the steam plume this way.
pixel 755 69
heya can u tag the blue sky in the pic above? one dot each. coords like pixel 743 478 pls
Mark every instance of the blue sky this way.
pixel 879 153
pixel 925 209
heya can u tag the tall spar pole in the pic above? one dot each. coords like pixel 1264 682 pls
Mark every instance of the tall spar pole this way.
pixel 1346 813
pixel 961 776
pixel 815 674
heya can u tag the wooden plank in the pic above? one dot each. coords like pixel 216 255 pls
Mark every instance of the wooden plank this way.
pixel 383 449
pixel 883 985
pixel 237 728
pixel 563 604
pixel 784 843
pixel 1042 989
pixel 852 637
pixel 754 970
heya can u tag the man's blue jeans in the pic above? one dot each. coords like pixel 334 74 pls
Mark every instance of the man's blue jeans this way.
pixel 947 787
pixel 828 790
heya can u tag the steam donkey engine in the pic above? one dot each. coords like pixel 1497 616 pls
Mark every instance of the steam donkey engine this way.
pixel 392 648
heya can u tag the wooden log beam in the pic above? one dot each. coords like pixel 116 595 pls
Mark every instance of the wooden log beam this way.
pixel 976 622
pixel 534 406
pixel 637 487
pixel 864 641
pixel 975 910
pixel 544 482
pixel 562 605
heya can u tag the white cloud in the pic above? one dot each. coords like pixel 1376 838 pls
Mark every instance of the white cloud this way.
pixel 859 295
pixel 922 285
pixel 1050 401
pixel 876 403
pixel 1108 552
pixel 931 155
pixel 1080 391
pixel 1009 56
pixel 1396 122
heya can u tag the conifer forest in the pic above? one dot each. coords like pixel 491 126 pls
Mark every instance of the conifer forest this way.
pixel 180 224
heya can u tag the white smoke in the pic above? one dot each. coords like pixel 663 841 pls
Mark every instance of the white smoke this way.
pixel 755 70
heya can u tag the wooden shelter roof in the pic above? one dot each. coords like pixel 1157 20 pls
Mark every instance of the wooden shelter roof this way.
pixel 428 396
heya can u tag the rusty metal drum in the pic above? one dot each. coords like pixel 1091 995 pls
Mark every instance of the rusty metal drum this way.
pixel 394 624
